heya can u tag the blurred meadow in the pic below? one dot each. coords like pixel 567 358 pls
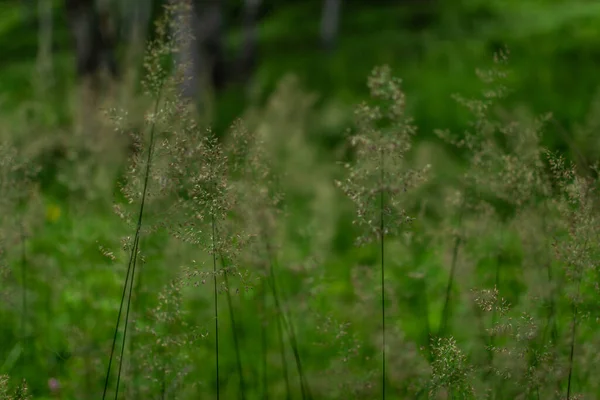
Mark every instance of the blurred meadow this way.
pixel 276 199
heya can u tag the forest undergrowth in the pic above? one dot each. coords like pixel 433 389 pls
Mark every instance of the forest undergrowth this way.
pixel 165 261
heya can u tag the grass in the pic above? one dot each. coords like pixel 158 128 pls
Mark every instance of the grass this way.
pixel 391 270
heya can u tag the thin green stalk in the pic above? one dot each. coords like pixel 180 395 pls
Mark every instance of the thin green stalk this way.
pixel 425 299
pixel 133 255
pixel 428 331
pixel 499 387
pixel 483 333
pixel 236 344
pixel 551 317
pixel 453 263
pixel 135 369
pixel 574 318
pixel 382 249
pixel 136 245
pixel 163 384
pixel 488 339
pixel 447 298
pixel 495 309
pixel 264 342
pixel 280 319
pixel 116 330
pixel 23 288
pixel 288 326
pixel 304 388
pixel 288 389
pixel 573 334
pixel 24 299
pixel 216 304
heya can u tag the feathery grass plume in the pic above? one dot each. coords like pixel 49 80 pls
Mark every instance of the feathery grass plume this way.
pixel 505 181
pixel 379 176
pixel 353 381
pixel 305 213
pixel 524 368
pixel 482 152
pixel 145 184
pixel 525 187
pixel 451 372
pixel 260 211
pixel 203 177
pixel 162 339
pixel 505 177
pixel 7 392
pixel 302 176
pixel 577 248
pixel 205 205
pixel 17 219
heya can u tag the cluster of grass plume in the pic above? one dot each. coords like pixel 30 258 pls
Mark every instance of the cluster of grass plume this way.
pixel 9 393
pixel 144 184
pixel 19 206
pixel 379 177
pixel 230 287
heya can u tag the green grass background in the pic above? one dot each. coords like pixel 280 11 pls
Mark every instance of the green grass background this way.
pixel 555 58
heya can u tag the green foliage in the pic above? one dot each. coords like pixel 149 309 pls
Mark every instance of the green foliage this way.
pixel 247 282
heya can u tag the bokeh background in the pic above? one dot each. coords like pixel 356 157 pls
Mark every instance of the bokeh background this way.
pixel 434 46
pixel 63 62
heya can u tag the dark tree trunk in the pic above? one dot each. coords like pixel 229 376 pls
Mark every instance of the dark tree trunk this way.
pixel 330 20
pixel 210 33
pixel 188 56
pixel 202 56
pixel 94 36
pixel 136 21
pixel 45 43
pixel 248 55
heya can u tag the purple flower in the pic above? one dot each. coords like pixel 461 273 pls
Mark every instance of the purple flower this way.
pixel 53 385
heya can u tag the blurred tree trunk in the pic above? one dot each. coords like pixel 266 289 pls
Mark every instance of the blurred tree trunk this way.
pixel 136 21
pixel 94 35
pixel 202 55
pixel 45 44
pixel 248 55
pixel 135 17
pixel 330 21
pixel 92 25
pixel 188 56
pixel 210 32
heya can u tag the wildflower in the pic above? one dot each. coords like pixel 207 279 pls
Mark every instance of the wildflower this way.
pixel 54 385
pixel 53 213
